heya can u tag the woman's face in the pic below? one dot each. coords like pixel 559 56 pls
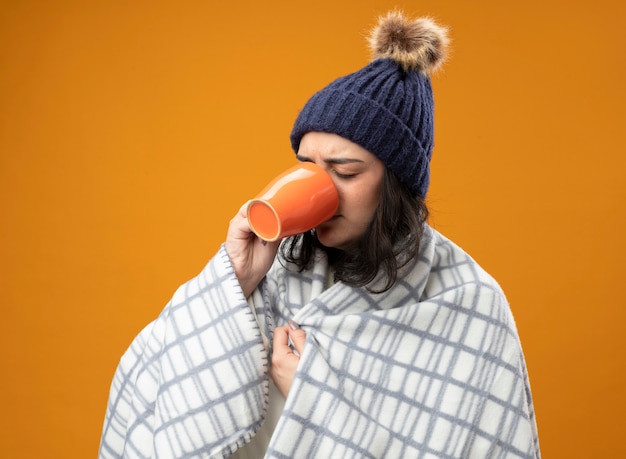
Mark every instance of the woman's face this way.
pixel 358 176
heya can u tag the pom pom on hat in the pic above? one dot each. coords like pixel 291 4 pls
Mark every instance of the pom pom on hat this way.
pixel 415 45
pixel 386 107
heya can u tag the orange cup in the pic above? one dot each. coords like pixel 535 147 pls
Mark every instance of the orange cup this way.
pixel 299 199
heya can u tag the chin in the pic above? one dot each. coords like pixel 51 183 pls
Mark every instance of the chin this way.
pixel 331 237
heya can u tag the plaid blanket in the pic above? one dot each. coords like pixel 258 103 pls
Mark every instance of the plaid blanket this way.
pixel 431 368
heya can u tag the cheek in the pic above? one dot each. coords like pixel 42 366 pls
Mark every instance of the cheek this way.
pixel 357 202
pixel 358 197
pixel 370 196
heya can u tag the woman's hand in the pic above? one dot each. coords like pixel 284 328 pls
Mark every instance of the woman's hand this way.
pixel 284 359
pixel 250 256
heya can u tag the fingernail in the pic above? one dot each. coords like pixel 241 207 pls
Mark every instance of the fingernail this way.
pixel 293 325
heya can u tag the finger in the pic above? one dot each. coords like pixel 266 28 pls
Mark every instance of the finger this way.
pixel 297 336
pixel 243 210
pixel 239 226
pixel 281 341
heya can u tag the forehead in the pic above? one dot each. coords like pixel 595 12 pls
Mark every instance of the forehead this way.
pixel 324 145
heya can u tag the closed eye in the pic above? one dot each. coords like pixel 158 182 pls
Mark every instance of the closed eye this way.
pixel 345 176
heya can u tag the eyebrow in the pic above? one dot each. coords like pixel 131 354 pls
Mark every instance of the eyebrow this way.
pixel 331 160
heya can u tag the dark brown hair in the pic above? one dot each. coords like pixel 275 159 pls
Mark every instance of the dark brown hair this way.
pixel 391 240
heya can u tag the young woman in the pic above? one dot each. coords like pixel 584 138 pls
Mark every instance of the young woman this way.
pixel 371 335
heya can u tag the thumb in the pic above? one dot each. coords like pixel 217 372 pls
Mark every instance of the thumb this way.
pixel 297 335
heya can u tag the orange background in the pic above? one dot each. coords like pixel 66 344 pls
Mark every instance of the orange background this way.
pixel 130 133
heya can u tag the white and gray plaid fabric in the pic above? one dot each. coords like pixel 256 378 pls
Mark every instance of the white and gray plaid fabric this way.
pixel 433 368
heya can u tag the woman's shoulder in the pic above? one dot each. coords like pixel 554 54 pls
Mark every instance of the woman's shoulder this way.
pixel 455 273
pixel 451 260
